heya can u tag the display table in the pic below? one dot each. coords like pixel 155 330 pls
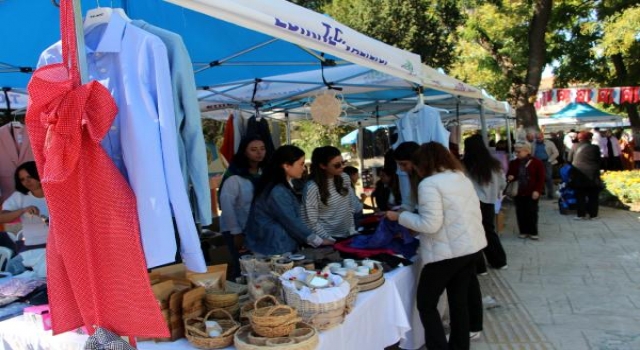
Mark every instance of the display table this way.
pixel 381 317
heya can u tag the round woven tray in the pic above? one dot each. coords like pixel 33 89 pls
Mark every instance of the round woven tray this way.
pixel 370 277
pixel 197 336
pixel 371 285
pixel 307 342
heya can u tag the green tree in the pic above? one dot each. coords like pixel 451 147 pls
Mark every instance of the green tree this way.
pixel 503 47
pixel 308 135
pixel 601 47
pixel 315 5
pixel 420 26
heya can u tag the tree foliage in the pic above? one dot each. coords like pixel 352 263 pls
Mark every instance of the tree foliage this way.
pixel 503 46
pixel 308 135
pixel 421 26
pixel 601 47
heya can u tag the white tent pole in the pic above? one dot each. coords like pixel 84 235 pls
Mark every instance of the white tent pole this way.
pixel 79 29
pixel 483 124
pixel 360 147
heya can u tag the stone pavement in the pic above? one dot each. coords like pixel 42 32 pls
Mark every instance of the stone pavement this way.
pixel 576 288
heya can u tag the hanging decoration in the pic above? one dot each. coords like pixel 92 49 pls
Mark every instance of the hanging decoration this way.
pixel 608 95
pixel 326 108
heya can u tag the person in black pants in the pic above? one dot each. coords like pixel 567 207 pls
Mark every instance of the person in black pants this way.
pixel 449 223
pixel 487 177
pixel 529 172
pixel 585 176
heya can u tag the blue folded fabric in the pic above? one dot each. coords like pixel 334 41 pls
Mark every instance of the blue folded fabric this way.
pixel 388 235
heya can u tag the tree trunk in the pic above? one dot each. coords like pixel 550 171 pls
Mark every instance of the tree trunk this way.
pixel 525 94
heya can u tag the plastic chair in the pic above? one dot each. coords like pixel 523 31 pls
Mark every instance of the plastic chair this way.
pixel 5 255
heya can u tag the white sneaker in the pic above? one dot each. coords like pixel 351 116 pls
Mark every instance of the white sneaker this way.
pixel 489 302
pixel 579 218
pixel 475 335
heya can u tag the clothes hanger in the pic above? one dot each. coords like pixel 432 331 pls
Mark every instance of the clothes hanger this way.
pixel 102 15
pixel 420 99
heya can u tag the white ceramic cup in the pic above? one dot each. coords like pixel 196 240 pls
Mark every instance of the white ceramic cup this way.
pixel 363 270
pixel 334 266
pixel 368 263
pixel 351 265
pixel 341 271
pixel 345 262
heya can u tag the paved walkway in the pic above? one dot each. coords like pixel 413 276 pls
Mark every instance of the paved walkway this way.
pixel 576 288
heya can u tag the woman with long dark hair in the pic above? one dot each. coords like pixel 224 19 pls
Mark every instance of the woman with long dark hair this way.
pixel 387 192
pixel 449 223
pixel 28 204
pixel 328 209
pixel 275 225
pixel 487 177
pixel 236 194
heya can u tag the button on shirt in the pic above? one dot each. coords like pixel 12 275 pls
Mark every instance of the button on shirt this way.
pixel 132 64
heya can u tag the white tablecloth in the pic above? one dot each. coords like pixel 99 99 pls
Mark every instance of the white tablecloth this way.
pixel 381 317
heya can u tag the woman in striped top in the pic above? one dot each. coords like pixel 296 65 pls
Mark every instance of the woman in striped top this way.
pixel 327 207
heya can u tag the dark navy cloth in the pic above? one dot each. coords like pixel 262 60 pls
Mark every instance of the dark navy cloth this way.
pixel 390 235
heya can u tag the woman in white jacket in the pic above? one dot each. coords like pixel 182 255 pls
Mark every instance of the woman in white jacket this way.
pixel 449 224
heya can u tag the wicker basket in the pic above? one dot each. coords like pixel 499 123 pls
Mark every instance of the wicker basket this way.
pixel 256 339
pixel 317 314
pixel 281 268
pixel 241 340
pixel 196 335
pixel 281 341
pixel 371 277
pixel 280 330
pixel 272 315
pixel 301 334
pixel 350 302
pixel 328 320
pixel 371 285
pixel 220 299
pixel 247 309
pixel 353 291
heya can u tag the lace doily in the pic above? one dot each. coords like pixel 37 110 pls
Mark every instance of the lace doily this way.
pixel 326 108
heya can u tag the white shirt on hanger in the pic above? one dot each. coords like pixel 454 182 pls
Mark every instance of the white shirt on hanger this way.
pixel 132 64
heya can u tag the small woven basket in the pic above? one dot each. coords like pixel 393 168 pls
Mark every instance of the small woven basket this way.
pixel 281 268
pixel 272 315
pixel 247 309
pixel 241 340
pixel 273 331
pixel 371 277
pixel 197 336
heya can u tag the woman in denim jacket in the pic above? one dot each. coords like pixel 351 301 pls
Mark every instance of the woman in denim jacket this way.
pixel 275 225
